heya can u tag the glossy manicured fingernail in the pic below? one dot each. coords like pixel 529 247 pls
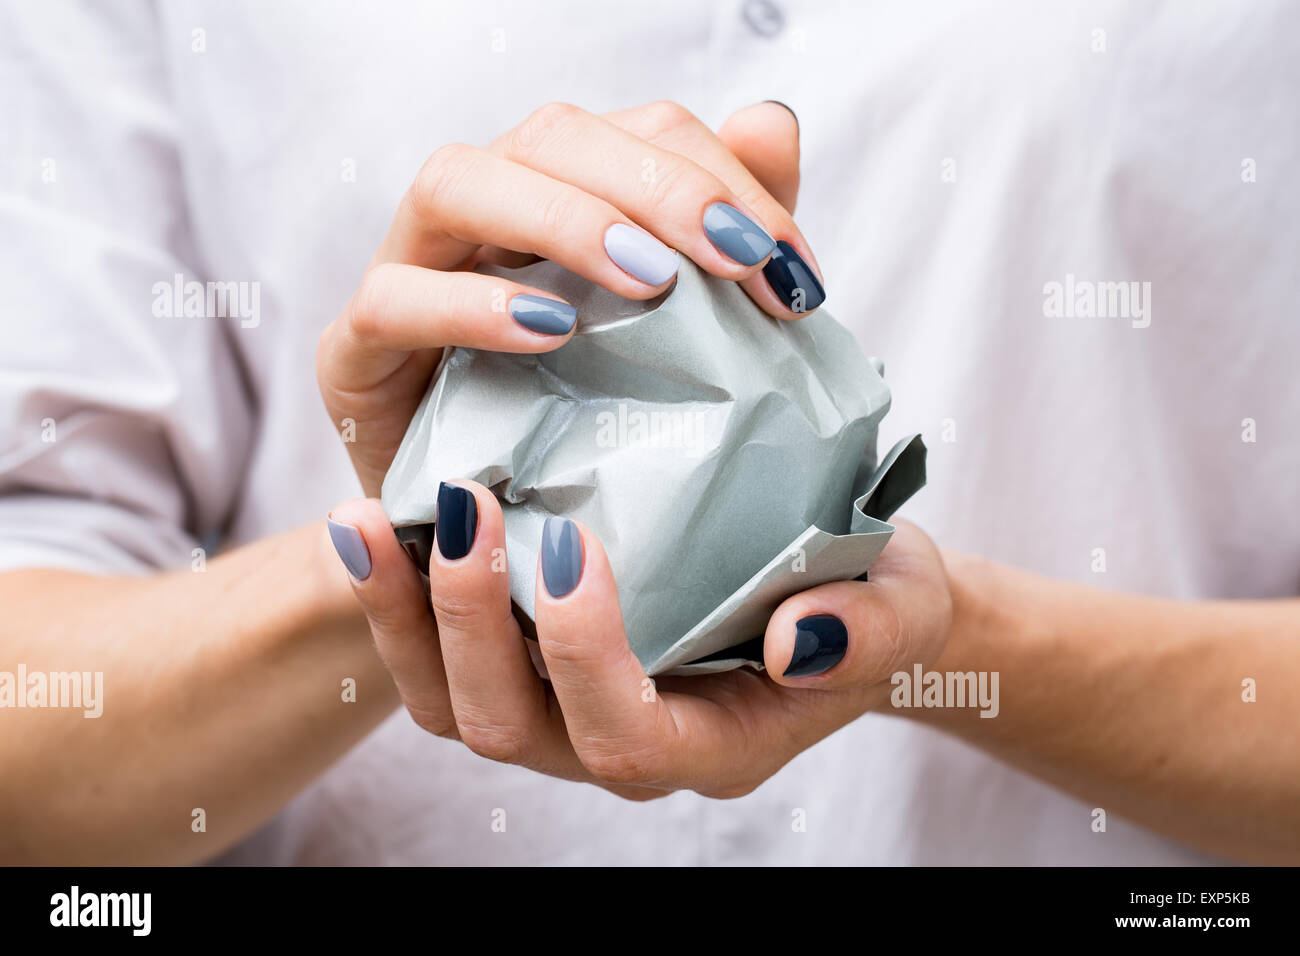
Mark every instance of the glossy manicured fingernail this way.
pixel 457 521
pixel 417 541
pixel 820 642
pixel 794 283
pixel 561 556
pixel 737 236
pixel 542 315
pixel 351 548
pixel 640 254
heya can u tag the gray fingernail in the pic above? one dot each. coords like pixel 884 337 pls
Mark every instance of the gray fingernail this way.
pixel 737 236
pixel 561 556
pixel 640 254
pixel 544 316
pixel 351 548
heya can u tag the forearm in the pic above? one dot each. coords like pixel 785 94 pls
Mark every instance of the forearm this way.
pixel 223 691
pixel 1136 704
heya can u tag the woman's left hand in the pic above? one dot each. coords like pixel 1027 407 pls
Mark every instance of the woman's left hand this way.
pixel 464 671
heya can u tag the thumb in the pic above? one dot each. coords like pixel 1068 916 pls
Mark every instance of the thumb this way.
pixel 859 633
pixel 765 137
pixel 389 590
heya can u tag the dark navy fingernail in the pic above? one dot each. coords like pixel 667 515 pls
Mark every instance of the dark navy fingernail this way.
pixel 561 556
pixel 820 642
pixel 737 236
pixel 794 283
pixel 457 521
pixel 544 316
pixel 351 548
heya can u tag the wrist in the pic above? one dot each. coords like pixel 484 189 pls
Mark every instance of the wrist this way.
pixel 994 623
pixel 977 610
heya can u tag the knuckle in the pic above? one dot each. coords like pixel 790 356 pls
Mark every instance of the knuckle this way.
pixel 437 721
pixel 457 611
pixel 456 294
pixel 372 300
pixel 887 640
pixel 774 217
pixel 542 125
pixel 440 175
pixel 398 624
pixel 567 651
pixel 664 116
pixel 623 765
pixel 671 181
pixel 497 743
pixel 558 213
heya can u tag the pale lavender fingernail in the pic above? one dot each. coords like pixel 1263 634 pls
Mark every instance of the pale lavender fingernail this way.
pixel 640 254
pixel 351 548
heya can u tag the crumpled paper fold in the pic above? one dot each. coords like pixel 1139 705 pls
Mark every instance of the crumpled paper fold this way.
pixel 725 459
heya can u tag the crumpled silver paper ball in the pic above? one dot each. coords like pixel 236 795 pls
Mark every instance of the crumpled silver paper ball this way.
pixel 725 459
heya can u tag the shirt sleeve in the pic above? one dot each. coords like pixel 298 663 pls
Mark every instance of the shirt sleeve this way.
pixel 124 428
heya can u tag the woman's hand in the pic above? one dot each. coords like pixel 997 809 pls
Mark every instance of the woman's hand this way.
pixel 611 198
pixel 464 671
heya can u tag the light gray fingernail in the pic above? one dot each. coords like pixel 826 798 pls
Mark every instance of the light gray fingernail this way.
pixel 737 236
pixel 640 254
pixel 544 316
pixel 351 548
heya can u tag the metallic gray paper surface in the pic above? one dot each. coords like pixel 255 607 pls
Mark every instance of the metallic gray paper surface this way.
pixel 725 459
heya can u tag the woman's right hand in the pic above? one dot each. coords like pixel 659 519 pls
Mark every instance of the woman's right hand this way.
pixel 610 198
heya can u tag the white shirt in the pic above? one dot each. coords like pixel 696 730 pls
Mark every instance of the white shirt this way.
pixel 957 161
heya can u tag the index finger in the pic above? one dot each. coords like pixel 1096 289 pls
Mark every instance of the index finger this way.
pixel 667 193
